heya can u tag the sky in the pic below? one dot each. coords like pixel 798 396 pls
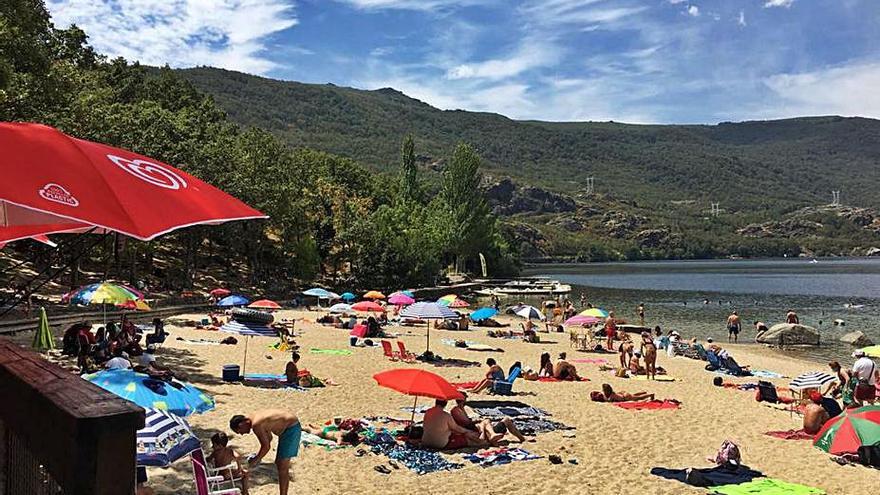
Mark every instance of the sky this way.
pixel 638 61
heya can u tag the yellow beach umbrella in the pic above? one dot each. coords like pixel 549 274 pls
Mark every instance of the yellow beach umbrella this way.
pixel 872 351
pixel 374 294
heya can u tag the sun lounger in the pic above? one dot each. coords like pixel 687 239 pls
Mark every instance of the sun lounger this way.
pixel 389 352
pixel 405 355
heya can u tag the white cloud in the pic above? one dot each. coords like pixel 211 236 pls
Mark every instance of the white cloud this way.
pixel 224 33
pixel 778 3
pixel 693 10
pixel 409 4
pixel 676 2
pixel 532 54
pixel 741 20
pixel 562 12
pixel 847 90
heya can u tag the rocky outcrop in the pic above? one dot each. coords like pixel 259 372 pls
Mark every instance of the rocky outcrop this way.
pixel 621 225
pixel 655 238
pixel 531 242
pixel 505 197
pixel 789 334
pixel 857 339
pixel 874 251
pixel 790 228
pixel 568 223
pixel 804 222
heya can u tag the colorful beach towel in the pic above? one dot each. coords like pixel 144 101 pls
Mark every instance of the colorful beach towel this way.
pixel 533 426
pixel 331 352
pixel 590 361
pixel 497 457
pixel 767 374
pixel 309 439
pixel 790 434
pixel 767 486
pixel 706 477
pixel 265 377
pixel 649 404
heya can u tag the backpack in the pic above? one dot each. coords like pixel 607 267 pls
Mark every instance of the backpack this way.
pixel 766 392
pixel 727 454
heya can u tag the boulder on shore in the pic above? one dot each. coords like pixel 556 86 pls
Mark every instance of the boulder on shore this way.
pixel 857 339
pixel 789 334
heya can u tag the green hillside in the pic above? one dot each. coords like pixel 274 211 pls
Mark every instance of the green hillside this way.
pixel 771 165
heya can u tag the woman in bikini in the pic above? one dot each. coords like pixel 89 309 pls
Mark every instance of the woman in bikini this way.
pixel 649 350
pixel 612 396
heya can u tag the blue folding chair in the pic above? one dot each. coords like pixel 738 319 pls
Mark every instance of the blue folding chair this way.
pixel 505 387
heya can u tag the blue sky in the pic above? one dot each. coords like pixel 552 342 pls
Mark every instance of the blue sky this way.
pixel 643 61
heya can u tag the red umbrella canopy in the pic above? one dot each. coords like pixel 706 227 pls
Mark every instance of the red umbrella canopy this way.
pixel 845 433
pixel 220 292
pixel 368 306
pixel 264 304
pixel 51 178
pixel 417 382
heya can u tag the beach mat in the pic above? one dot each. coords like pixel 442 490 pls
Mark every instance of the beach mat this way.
pixel 648 405
pixel 464 385
pixel 453 363
pixel 716 476
pixel 790 435
pixel 767 486
pixel 657 378
pixel 767 374
pixel 590 361
pixel 498 457
pixel 331 352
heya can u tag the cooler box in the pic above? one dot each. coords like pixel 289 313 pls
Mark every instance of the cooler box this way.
pixel 231 373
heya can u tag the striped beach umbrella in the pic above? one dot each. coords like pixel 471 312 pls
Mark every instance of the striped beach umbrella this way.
pixel 428 311
pixel 248 329
pixel 845 433
pixel 164 439
pixel 176 397
pixel 529 312
pixel 813 379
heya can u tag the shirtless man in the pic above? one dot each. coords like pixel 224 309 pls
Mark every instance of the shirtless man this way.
pixel 792 317
pixel 263 424
pixel 442 432
pixel 492 434
pixel 814 417
pixel 734 325
pixel 563 370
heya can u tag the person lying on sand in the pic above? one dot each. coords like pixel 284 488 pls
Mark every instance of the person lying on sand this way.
pixel 334 433
pixel 222 455
pixel 611 396
pixel 491 433
pixel 440 430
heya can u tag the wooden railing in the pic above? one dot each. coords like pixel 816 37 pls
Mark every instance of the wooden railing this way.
pixel 60 434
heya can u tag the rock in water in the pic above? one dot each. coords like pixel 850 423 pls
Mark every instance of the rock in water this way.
pixel 857 339
pixel 789 334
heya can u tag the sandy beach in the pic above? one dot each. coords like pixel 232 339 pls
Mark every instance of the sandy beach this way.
pixel 615 448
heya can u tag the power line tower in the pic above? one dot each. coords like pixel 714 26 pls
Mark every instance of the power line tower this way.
pixel 716 209
pixel 835 198
pixel 588 188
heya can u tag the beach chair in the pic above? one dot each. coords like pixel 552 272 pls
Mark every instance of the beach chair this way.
pixel 207 484
pixel 404 354
pixel 389 352
pixel 505 387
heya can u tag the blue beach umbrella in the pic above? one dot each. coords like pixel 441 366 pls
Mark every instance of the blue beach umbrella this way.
pixel 233 300
pixel 483 314
pixel 348 296
pixel 176 397
pixel 164 439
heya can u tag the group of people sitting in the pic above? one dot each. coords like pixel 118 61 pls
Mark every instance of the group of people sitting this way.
pixel 113 345
pixel 374 324
pixel 456 430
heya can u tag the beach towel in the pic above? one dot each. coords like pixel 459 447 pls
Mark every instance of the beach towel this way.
pixel 507 411
pixel 331 352
pixel 309 439
pixel 533 426
pixel 716 476
pixel 453 363
pixel 551 379
pixel 497 457
pixel 790 434
pixel 652 404
pixel 590 361
pixel 198 341
pixel 417 460
pixel 265 377
pixel 766 374
pixel 484 348
pixel 767 486
pixel 657 378
pixel 464 385
pixel 417 410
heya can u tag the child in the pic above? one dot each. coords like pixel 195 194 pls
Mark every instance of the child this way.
pixel 221 455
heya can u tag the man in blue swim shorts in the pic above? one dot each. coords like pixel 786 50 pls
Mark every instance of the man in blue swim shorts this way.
pixel 265 423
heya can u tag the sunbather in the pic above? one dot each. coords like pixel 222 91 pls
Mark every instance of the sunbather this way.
pixel 495 373
pixel 334 433
pixel 563 370
pixel 649 350
pixel 491 433
pixel 635 366
pixel 611 396
pixel 442 432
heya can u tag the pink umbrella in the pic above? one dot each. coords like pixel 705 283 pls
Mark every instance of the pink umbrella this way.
pixel 582 320
pixel 458 303
pixel 368 306
pixel 401 299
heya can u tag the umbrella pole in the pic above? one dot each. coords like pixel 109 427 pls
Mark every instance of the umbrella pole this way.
pixel 412 418
pixel 244 365
pixel 428 342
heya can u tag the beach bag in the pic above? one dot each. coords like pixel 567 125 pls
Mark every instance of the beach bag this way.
pixel 869 455
pixel 766 392
pixel 728 454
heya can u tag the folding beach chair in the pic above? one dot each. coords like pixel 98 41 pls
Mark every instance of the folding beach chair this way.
pixel 206 483
pixel 505 387
pixel 405 355
pixel 389 352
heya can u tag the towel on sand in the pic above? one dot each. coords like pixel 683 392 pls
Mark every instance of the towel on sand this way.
pixel 657 378
pixel 265 377
pixel 332 352
pixel 767 486
pixel 649 404
pixel 551 379
pixel 790 434
pixel 719 475
pixel 497 457
pixel 767 374
pixel 464 385
pixel 590 361
pixel 309 439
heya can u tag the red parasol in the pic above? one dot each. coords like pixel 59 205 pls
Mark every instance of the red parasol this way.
pixel 368 306
pixel 65 183
pixel 264 304
pixel 419 383
pixel 220 292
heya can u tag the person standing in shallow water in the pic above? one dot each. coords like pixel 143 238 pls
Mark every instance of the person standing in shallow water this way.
pixel 734 325
pixel 641 312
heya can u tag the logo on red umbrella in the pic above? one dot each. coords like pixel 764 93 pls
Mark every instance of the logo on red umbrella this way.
pixel 57 193
pixel 154 173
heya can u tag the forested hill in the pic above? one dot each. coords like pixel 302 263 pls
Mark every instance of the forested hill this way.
pixel 767 166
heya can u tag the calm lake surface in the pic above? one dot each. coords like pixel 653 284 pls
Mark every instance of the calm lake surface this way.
pixel 674 294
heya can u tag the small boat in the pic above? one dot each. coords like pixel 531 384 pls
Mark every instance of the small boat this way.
pixel 527 287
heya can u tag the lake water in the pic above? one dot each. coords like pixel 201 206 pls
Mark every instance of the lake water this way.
pixel 674 294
